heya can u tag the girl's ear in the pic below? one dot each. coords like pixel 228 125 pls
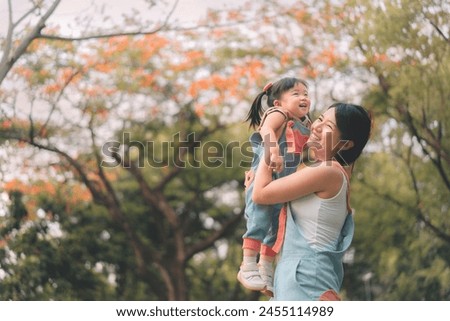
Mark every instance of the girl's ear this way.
pixel 276 102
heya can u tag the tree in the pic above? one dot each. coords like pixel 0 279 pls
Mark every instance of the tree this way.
pixel 99 109
pixel 148 125
pixel 410 61
pixel 405 51
pixel 48 254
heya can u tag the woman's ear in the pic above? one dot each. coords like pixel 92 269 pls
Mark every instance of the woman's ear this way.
pixel 348 144
pixel 343 145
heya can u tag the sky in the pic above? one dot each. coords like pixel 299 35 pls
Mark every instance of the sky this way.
pixel 187 11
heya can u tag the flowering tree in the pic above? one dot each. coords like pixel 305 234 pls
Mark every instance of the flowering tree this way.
pixel 123 151
pixel 152 110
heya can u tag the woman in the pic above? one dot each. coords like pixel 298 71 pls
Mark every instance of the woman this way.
pixel 319 225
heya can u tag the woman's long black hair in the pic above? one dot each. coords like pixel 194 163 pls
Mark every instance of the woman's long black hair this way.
pixel 355 124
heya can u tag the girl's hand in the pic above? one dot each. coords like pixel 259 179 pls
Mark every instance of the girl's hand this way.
pixel 276 162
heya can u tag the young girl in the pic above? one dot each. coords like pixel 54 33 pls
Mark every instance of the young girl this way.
pixel 282 133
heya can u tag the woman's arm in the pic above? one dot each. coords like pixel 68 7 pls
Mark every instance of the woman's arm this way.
pixel 321 178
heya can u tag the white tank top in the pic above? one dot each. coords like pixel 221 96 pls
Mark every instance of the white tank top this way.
pixel 319 219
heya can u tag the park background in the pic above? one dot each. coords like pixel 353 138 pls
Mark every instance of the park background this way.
pixel 123 146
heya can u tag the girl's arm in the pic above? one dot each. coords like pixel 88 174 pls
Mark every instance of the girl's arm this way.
pixel 320 178
pixel 270 132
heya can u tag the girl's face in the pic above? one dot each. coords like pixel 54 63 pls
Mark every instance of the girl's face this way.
pixel 325 139
pixel 295 100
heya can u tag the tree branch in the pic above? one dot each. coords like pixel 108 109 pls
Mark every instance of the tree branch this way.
pixel 114 34
pixel 416 210
pixel 409 121
pixel 139 249
pixel 439 31
pixel 182 154
pixel 419 207
pixel 214 236
pixel 6 66
pixel 54 104
pixel 101 36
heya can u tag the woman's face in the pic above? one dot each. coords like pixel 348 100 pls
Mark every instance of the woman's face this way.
pixel 325 139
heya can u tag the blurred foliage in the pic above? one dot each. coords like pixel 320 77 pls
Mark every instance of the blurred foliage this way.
pixel 162 219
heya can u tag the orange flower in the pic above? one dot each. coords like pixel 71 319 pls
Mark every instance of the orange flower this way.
pixel 51 89
pixel 199 110
pixel 6 124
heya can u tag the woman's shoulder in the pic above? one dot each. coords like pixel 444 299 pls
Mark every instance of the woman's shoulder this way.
pixel 325 170
pixel 329 178
pixel 323 166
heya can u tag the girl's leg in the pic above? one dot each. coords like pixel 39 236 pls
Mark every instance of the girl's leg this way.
pixel 249 272
pixel 266 268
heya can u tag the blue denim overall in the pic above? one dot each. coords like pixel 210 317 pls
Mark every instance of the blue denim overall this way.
pixel 304 274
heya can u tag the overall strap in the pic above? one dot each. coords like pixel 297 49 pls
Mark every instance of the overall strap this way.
pixel 336 164
pixel 272 110
pixel 283 213
pixel 307 121
pixel 281 229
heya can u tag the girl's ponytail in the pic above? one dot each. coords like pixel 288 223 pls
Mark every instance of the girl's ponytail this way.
pixel 256 110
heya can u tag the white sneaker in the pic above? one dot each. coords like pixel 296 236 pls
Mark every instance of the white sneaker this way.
pixel 249 277
pixel 266 274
